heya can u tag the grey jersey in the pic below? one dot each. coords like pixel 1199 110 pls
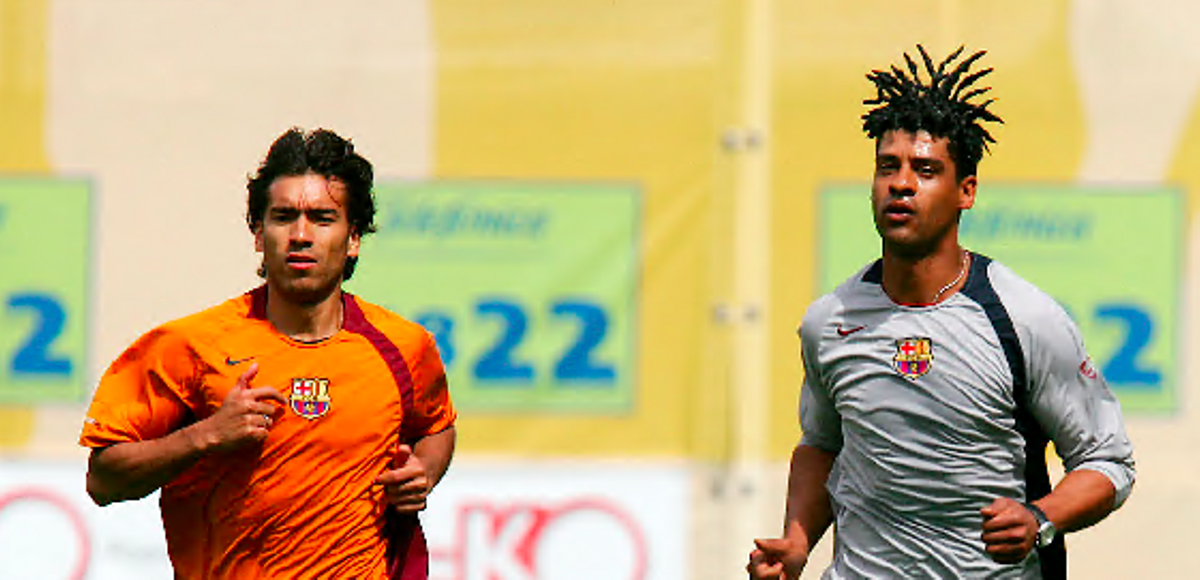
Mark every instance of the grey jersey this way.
pixel 935 411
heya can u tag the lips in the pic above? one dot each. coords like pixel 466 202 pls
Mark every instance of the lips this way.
pixel 899 210
pixel 301 261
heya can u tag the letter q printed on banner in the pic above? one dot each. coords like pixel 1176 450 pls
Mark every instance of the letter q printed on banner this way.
pixel 548 522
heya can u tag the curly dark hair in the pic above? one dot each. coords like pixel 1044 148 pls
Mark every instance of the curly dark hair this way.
pixel 324 153
pixel 942 106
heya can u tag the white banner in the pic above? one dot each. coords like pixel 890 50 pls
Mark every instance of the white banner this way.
pixel 514 521
pixel 51 530
pixel 548 521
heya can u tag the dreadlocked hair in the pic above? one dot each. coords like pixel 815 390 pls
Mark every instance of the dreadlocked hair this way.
pixel 941 107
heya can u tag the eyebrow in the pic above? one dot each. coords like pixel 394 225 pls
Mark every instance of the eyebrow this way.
pixel 293 211
pixel 928 162
pixel 915 160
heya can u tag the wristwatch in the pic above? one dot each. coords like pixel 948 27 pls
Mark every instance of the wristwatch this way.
pixel 1046 530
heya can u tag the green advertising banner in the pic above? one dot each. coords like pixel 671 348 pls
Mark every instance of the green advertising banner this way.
pixel 1111 256
pixel 44 241
pixel 529 287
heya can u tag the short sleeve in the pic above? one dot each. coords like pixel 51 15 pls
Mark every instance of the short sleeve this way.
pixel 820 422
pixel 143 395
pixel 1074 405
pixel 432 411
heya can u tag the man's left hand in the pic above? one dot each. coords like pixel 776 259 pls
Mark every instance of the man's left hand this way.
pixel 406 485
pixel 1009 530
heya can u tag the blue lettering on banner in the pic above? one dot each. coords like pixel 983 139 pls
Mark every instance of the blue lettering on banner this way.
pixel 1124 368
pixel 33 357
pixel 1041 226
pixel 465 219
pixel 577 364
pixel 498 362
pixel 499 365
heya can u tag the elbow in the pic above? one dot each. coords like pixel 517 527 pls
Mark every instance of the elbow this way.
pixel 102 497
pixel 104 488
pixel 94 482
pixel 102 482
pixel 101 501
pixel 101 494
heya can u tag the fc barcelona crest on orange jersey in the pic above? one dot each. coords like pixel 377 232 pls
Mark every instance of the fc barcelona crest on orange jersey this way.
pixel 913 357
pixel 310 397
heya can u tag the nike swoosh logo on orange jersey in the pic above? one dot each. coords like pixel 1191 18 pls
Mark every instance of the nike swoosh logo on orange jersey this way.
pixel 848 331
pixel 232 362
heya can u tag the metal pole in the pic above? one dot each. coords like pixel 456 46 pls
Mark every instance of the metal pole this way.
pixel 750 372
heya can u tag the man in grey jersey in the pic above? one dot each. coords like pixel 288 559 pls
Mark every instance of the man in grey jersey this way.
pixel 934 378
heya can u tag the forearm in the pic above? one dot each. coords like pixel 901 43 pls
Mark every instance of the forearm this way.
pixel 435 452
pixel 808 509
pixel 1082 498
pixel 135 469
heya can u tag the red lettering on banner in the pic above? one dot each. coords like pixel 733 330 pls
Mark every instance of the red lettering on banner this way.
pixel 510 542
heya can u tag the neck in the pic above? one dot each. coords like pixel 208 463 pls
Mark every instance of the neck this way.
pixel 306 322
pixel 925 279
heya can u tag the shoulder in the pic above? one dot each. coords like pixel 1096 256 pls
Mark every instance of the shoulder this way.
pixel 1040 322
pixel 818 315
pixel 398 329
pixel 178 339
pixel 210 324
pixel 215 318
pixel 1027 305
pixel 854 289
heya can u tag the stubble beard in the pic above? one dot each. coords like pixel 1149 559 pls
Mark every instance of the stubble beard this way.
pixel 304 290
pixel 910 245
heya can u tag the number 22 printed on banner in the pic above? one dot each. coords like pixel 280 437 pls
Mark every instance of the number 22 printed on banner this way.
pixel 577 365
pixel 532 300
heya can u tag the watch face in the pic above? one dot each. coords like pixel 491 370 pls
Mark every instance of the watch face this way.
pixel 1045 534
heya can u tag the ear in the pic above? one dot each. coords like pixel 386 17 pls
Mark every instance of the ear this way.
pixel 258 239
pixel 966 192
pixel 352 245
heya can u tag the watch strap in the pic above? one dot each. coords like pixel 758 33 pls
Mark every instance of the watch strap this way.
pixel 1038 514
pixel 1046 531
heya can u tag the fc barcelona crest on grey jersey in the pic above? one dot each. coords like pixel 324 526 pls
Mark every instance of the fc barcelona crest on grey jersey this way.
pixel 913 356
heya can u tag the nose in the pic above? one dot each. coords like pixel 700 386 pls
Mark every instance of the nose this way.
pixel 301 232
pixel 903 183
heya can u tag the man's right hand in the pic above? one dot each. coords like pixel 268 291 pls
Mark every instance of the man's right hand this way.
pixel 776 559
pixel 245 417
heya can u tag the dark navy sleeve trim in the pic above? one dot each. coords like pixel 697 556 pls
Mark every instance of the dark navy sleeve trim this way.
pixel 978 287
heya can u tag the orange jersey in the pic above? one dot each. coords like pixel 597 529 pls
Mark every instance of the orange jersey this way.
pixel 304 504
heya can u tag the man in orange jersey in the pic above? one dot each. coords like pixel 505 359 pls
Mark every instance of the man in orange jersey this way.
pixel 296 430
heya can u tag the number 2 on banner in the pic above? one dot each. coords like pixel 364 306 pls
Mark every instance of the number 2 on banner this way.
pixel 499 361
pixel 577 363
pixel 1124 368
pixel 33 355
